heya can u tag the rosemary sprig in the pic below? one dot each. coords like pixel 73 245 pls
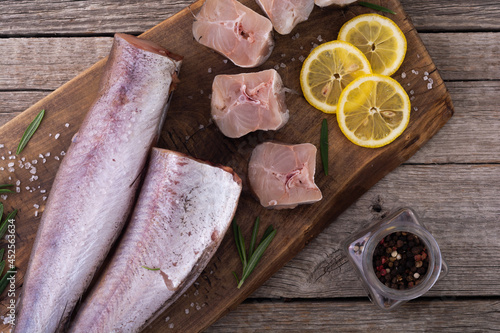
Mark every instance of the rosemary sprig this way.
pixel 4 282
pixel 30 131
pixel 376 7
pixel 5 223
pixel 254 256
pixel 323 145
pixel 151 269
pixel 3 189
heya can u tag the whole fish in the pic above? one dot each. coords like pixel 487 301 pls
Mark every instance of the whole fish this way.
pixel 282 175
pixel 95 185
pixel 184 209
pixel 286 14
pixel 235 31
pixel 247 102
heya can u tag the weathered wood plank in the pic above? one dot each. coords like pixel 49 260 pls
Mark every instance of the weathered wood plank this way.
pixel 13 103
pixel 47 63
pixel 457 203
pixel 424 315
pixel 133 16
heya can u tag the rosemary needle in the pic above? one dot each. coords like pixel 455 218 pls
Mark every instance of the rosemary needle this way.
pixel 30 131
pixel 323 145
pixel 376 7
pixel 253 256
pixel 151 269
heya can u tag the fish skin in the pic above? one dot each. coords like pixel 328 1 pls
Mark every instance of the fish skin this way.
pixel 341 3
pixel 286 14
pixel 282 175
pixel 247 102
pixel 177 225
pixel 95 185
pixel 235 31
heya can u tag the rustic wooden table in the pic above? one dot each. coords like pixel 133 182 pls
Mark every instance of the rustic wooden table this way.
pixel 453 182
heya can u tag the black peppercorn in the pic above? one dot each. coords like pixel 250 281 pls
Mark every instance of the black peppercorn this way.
pixel 400 260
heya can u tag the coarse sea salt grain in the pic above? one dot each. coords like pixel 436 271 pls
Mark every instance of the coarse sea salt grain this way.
pixel 282 65
pixel 3 158
pixel 43 191
pixel 63 153
pixel 2 145
pixel 36 206
pixel 18 189
pixel 209 70
pixel 33 170
pixel 415 108
pixel 283 55
pixel 66 125
pixel 403 75
pixel 10 165
pixel 425 78
pixel 411 92
pixel 57 136
pixel 2 168
pixel 56 158
pixel 44 198
pixel 224 61
pixel 171 325
pixel 47 154
pixel 18 182
pixel 276 67
pixel 429 86
pixel 13 157
pixel 186 311
pixel 36 213
pixel 302 58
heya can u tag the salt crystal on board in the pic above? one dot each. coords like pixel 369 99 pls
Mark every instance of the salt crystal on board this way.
pixel 209 70
pixel 403 75
pixel 66 125
pixel 57 136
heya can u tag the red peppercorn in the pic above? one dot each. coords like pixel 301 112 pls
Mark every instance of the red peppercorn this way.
pixel 383 272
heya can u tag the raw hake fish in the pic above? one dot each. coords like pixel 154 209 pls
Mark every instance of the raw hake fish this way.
pixel 184 209
pixel 96 183
pixel 235 31
pixel 286 14
pixel 244 103
pixel 282 175
pixel 325 3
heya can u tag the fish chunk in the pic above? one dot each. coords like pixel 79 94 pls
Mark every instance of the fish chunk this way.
pixel 325 3
pixel 235 31
pixel 244 103
pixel 282 175
pixel 95 185
pixel 286 14
pixel 177 225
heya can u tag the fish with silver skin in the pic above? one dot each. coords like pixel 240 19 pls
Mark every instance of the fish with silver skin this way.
pixel 341 3
pixel 96 183
pixel 247 102
pixel 184 209
pixel 282 175
pixel 235 31
pixel 286 14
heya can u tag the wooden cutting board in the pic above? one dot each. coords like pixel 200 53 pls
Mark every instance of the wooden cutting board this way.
pixel 188 128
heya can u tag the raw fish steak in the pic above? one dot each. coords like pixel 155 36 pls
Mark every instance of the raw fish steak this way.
pixel 184 209
pixel 244 103
pixel 95 186
pixel 286 14
pixel 235 31
pixel 325 3
pixel 282 175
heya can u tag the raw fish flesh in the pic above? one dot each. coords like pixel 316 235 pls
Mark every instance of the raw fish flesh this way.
pixel 183 211
pixel 235 31
pixel 286 14
pixel 325 3
pixel 244 103
pixel 95 185
pixel 282 175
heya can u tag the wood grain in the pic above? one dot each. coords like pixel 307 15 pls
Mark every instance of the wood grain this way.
pixel 356 171
pixel 446 314
pixel 48 63
pixel 67 17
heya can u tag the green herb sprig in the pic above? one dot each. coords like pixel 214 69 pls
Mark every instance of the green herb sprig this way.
pixel 151 269
pixel 5 224
pixel 30 131
pixel 3 189
pixel 4 281
pixel 254 254
pixel 376 7
pixel 323 145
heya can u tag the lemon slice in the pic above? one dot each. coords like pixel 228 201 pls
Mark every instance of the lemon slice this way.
pixel 379 38
pixel 327 70
pixel 373 111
